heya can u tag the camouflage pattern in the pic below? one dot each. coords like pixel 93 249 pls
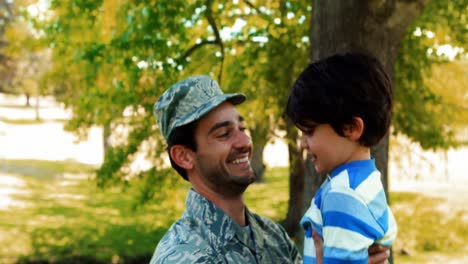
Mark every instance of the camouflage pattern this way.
pixel 188 100
pixel 205 234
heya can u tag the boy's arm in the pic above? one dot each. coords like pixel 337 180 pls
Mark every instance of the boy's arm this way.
pixel 350 227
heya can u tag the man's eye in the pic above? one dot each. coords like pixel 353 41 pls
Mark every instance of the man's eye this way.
pixel 225 134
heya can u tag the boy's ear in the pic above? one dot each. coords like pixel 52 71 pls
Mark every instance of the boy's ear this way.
pixel 182 156
pixel 355 130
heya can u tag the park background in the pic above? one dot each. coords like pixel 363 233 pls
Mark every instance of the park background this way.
pixel 83 173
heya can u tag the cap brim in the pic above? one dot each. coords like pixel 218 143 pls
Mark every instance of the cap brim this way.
pixel 235 99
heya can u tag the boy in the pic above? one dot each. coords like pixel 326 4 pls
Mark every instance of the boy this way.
pixel 343 104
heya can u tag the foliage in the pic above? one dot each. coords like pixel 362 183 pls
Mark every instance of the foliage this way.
pixel 111 75
pixel 6 15
pixel 112 60
pixel 28 59
pixel 100 74
pixel 449 80
pixel 420 112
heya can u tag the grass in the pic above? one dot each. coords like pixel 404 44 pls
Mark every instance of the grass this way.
pixel 16 106
pixel 29 121
pixel 43 169
pixel 270 198
pixel 428 229
pixel 64 218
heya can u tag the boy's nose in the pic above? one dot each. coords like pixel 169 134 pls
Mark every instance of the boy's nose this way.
pixel 303 143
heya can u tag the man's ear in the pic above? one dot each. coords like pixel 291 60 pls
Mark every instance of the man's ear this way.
pixel 182 156
pixel 355 130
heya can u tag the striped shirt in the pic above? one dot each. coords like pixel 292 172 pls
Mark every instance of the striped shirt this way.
pixel 350 213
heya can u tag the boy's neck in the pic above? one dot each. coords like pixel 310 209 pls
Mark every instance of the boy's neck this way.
pixel 360 153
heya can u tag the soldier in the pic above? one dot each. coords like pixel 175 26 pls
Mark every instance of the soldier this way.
pixel 208 146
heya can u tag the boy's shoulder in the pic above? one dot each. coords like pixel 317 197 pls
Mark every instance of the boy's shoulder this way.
pixel 355 175
pixel 360 180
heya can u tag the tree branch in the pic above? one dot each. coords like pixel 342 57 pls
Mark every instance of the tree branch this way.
pixel 194 48
pixel 404 14
pixel 247 2
pixel 262 15
pixel 218 40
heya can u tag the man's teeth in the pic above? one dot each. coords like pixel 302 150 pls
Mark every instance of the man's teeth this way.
pixel 237 161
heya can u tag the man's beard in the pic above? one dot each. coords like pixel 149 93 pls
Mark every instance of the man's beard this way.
pixel 223 183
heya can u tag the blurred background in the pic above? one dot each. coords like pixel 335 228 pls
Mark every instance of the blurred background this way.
pixel 84 177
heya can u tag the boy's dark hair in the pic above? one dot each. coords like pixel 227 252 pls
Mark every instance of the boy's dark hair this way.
pixel 340 87
pixel 183 135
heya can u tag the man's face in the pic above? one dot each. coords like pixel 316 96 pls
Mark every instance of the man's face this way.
pixel 224 151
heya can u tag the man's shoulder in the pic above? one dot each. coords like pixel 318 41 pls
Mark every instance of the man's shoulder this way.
pixel 182 232
pixel 275 240
pixel 183 244
pixel 268 226
pixel 264 220
pixel 183 253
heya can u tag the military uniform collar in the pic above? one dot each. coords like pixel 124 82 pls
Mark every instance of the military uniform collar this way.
pixel 217 226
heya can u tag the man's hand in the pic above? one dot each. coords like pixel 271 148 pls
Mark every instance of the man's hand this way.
pixel 318 243
pixel 378 254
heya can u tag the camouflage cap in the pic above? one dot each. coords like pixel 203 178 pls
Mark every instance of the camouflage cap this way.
pixel 188 100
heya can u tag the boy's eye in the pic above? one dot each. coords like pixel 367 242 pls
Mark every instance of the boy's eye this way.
pixel 308 131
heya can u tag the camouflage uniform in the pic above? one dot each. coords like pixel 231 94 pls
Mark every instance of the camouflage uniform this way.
pixel 205 234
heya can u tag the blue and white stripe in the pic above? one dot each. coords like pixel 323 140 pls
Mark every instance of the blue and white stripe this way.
pixel 350 213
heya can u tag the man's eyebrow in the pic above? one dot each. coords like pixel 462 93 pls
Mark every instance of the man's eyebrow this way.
pixel 219 125
pixel 223 124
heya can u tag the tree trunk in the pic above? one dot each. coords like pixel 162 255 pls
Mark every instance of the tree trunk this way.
pixel 38 117
pixel 259 136
pixel 374 26
pixel 28 100
pixel 312 182
pixel 380 153
pixel 296 183
pixel 258 165
pixel 106 133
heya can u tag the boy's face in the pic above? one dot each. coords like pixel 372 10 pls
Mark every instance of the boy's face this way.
pixel 327 149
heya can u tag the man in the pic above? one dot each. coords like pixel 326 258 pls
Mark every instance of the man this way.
pixel 208 146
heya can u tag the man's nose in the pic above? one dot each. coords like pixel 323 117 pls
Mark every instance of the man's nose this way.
pixel 242 140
